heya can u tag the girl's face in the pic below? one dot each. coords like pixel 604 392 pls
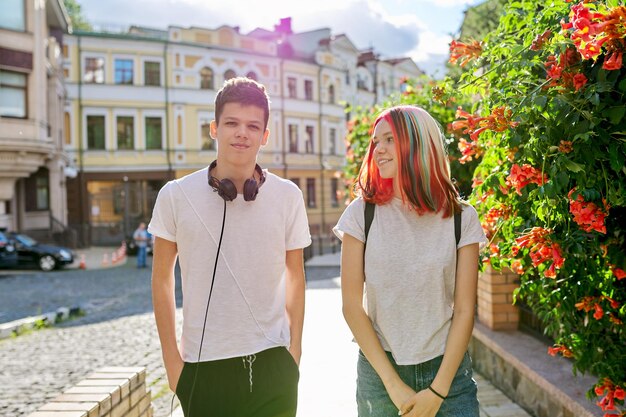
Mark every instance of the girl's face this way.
pixel 385 150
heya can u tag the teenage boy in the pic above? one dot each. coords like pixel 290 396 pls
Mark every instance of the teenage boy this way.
pixel 238 232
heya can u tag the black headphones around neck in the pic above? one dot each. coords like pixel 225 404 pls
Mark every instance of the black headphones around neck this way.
pixel 227 190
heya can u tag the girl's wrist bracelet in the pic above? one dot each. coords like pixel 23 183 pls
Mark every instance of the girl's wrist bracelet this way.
pixel 436 393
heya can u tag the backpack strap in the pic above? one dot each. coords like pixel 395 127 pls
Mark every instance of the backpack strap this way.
pixel 457 227
pixel 369 217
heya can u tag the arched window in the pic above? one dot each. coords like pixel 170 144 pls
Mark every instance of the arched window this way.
pixel 229 74
pixel 331 94
pixel 252 75
pixel 206 78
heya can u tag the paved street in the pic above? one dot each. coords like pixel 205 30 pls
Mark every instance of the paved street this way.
pixel 118 330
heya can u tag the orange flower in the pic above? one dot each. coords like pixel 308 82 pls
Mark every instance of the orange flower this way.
pixel 613 392
pixel 613 61
pixel 517 267
pixel 520 177
pixel 591 30
pixel 587 215
pixel 464 51
pixel 540 40
pixel 563 350
pixel 541 249
pixel 619 273
pixel 565 146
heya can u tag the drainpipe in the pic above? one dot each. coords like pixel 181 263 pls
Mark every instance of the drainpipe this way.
pixel 170 172
pixel 82 196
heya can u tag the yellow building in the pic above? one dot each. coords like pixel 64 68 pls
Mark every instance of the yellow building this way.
pixel 140 104
pixel 32 161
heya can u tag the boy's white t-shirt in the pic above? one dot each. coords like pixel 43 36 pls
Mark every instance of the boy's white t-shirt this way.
pixel 247 309
pixel 410 269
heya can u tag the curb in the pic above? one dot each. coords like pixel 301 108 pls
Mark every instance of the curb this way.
pixel 17 327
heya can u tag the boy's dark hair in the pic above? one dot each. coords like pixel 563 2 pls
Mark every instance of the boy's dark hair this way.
pixel 244 91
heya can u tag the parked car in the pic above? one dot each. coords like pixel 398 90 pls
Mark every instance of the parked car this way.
pixel 8 254
pixel 46 257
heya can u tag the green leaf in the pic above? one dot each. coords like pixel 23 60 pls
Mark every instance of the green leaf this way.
pixel 616 158
pixel 615 114
pixel 573 166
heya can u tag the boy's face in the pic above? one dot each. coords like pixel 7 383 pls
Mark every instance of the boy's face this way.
pixel 240 133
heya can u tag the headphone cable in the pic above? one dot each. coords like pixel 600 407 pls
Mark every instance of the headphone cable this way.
pixel 206 313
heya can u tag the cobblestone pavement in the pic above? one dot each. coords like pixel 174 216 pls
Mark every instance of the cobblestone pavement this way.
pixel 117 330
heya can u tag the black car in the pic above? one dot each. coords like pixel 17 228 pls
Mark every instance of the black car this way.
pixel 8 254
pixel 46 257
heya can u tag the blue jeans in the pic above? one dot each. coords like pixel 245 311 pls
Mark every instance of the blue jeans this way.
pixel 141 257
pixel 373 401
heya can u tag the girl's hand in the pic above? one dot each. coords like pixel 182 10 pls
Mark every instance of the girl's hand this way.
pixel 422 404
pixel 400 393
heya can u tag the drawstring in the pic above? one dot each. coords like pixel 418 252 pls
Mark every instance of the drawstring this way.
pixel 250 359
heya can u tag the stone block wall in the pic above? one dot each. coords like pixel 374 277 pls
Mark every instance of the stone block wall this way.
pixel 108 392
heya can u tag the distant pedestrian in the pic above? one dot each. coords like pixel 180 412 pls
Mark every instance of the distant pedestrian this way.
pixel 141 242
pixel 420 269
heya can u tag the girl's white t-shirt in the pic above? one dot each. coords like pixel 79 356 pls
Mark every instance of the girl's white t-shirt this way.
pixel 410 269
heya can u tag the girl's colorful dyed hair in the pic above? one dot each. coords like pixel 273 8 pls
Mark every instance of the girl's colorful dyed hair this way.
pixel 423 167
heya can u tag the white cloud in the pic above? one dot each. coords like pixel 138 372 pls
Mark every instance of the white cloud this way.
pixel 406 31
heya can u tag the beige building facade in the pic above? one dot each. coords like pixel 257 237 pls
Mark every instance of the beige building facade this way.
pixel 33 164
pixel 140 103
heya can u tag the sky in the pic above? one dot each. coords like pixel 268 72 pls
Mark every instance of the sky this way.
pixel 420 29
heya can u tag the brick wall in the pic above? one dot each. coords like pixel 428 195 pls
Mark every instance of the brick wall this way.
pixel 108 392
pixel 495 299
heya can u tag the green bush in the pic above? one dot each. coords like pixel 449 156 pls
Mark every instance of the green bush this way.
pixel 550 132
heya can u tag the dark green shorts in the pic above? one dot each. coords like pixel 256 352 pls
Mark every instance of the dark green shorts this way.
pixel 260 385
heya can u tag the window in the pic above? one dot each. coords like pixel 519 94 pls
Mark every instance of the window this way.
pixel 295 181
pixel 309 139
pixel 95 132
pixel 293 138
pixel 252 75
pixel 291 87
pixel 331 94
pixel 12 16
pixel 154 133
pixel 67 127
pixel 125 132
pixel 308 90
pixel 310 193
pixel 179 130
pixel 348 78
pixel 208 144
pixel 151 73
pixel 12 94
pixel 94 71
pixel 37 191
pixel 334 192
pixel 206 78
pixel 124 71
pixel 229 74
pixel 332 140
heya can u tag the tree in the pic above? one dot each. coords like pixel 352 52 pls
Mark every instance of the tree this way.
pixel 79 22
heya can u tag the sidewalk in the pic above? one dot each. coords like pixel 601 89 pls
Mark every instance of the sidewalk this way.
pixel 96 257
pixel 328 368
